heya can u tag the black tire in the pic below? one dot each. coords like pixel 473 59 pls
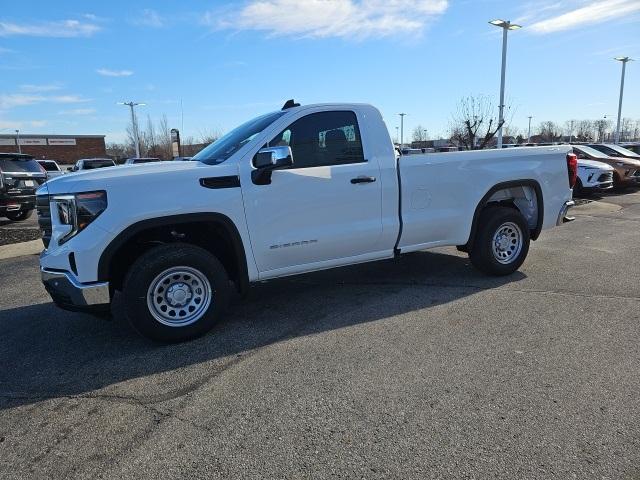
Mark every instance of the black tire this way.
pixel 578 190
pixel 157 262
pixel 491 220
pixel 19 216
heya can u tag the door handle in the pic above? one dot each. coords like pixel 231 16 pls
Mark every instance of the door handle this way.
pixel 363 179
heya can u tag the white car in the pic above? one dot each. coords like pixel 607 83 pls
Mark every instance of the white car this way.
pixel 301 189
pixel 51 167
pixel 593 176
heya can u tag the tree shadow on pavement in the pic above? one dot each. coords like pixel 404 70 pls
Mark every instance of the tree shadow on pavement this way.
pixel 49 353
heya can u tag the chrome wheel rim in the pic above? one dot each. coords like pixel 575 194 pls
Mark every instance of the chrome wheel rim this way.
pixel 179 296
pixel 507 243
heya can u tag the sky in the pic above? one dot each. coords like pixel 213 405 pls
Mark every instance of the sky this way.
pixel 211 65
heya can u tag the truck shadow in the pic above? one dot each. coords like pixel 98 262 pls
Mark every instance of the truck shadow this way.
pixel 48 353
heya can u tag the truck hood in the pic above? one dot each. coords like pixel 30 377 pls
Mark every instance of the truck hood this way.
pixel 143 176
pixel 583 162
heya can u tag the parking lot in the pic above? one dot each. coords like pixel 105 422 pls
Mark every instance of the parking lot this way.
pixel 416 368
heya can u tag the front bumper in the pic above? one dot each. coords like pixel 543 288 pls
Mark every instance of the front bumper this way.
pixel 562 216
pixel 70 294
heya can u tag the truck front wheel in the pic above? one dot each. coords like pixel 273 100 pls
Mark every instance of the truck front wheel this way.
pixel 501 243
pixel 175 292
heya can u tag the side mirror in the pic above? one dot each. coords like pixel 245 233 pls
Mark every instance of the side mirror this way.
pixel 269 159
pixel 273 157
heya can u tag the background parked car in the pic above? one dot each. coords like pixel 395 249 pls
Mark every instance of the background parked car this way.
pixel 633 146
pixel 51 168
pixel 593 176
pixel 627 171
pixel 135 161
pixel 91 164
pixel 615 151
pixel 20 176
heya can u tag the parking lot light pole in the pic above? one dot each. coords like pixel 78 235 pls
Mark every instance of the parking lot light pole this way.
pixel 401 129
pixel 18 141
pixel 506 25
pixel 134 123
pixel 529 131
pixel 624 61
pixel 398 134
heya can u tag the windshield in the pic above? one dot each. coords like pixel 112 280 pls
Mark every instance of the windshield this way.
pixel 49 166
pixel 592 152
pixel 88 165
pixel 227 145
pixel 623 151
pixel 19 165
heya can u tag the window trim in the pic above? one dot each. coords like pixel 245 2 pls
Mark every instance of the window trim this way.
pixel 357 130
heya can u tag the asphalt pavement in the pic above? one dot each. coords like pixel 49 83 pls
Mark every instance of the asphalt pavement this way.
pixel 413 368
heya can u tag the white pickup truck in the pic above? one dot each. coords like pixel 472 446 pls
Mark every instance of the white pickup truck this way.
pixel 293 191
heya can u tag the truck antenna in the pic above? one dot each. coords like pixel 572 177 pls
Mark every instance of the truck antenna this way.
pixel 290 104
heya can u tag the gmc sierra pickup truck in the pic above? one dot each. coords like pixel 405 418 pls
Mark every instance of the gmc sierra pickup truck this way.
pixel 293 191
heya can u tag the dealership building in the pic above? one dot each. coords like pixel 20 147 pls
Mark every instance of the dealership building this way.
pixel 65 149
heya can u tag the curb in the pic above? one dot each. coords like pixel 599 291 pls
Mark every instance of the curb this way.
pixel 34 247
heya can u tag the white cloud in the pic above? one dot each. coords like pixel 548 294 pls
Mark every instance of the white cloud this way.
pixel 13 100
pixel 78 111
pixel 149 18
pixel 588 13
pixel 114 73
pixel 13 124
pixel 331 18
pixel 59 29
pixel 40 88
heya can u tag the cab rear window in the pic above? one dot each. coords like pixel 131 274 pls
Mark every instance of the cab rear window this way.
pixel 19 165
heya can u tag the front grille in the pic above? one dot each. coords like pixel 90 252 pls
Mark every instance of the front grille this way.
pixel 606 177
pixel 44 218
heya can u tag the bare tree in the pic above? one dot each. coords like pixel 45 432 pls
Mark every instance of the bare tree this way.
pixel 549 131
pixel 601 127
pixel 626 129
pixel 584 131
pixel 419 134
pixel 474 123
pixel 209 136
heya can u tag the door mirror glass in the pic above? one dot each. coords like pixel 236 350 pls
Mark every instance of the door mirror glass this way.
pixel 273 158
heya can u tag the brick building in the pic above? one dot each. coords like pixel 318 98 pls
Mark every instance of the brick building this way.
pixel 65 149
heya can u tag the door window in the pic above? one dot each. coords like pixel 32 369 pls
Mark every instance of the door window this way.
pixel 323 139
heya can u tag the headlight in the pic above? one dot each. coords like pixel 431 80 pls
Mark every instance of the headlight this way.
pixel 77 211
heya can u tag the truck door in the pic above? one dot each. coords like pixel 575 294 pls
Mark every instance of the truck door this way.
pixel 322 210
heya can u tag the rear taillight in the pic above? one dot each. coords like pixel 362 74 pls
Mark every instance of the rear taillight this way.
pixel 572 168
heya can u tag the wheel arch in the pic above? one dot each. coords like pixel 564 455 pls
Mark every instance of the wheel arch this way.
pixel 144 234
pixel 491 194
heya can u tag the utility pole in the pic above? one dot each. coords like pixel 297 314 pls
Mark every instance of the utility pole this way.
pixel 624 61
pixel 529 132
pixel 570 130
pixel 402 115
pixel 18 141
pixel 506 25
pixel 134 124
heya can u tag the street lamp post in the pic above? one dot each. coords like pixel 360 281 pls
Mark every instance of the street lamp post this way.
pixel 18 141
pixel 401 129
pixel 398 135
pixel 506 25
pixel 134 123
pixel 624 61
pixel 529 131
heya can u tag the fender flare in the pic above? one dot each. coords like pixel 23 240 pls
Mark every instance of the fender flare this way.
pixel 535 233
pixel 125 235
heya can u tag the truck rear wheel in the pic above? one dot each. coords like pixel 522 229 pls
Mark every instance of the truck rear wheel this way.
pixel 19 216
pixel 501 243
pixel 175 292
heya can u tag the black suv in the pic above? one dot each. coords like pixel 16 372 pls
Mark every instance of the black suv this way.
pixel 20 177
